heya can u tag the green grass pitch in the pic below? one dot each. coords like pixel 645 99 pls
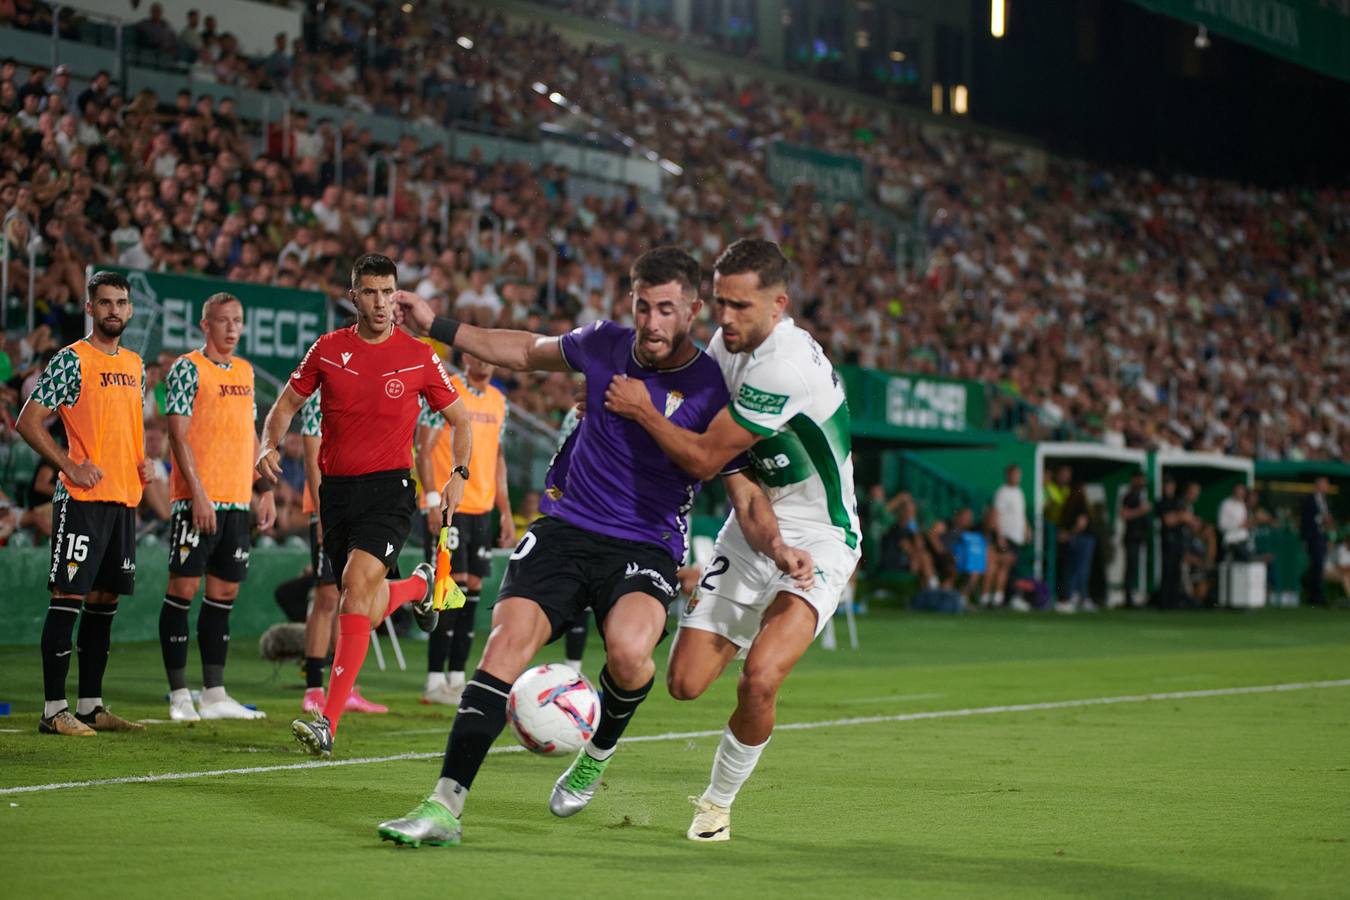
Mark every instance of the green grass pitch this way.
pixel 1211 795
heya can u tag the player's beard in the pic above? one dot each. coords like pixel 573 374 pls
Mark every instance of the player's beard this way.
pixel 110 330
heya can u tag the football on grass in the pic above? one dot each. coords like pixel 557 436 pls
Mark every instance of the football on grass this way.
pixel 553 710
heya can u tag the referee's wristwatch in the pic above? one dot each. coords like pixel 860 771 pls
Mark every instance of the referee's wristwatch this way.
pixel 461 471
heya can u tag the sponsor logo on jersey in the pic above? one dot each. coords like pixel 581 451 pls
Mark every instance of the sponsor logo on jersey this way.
pixel 388 549
pixel 674 400
pixel 236 390
pixel 240 554
pixel 106 379
pixel 128 565
pixel 652 575
pixel 346 357
pixel 554 493
pixel 759 401
pixel 393 389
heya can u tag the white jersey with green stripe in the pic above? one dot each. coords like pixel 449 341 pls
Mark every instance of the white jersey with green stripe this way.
pixel 788 393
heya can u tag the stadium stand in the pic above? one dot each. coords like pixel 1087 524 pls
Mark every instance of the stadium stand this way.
pixel 1138 309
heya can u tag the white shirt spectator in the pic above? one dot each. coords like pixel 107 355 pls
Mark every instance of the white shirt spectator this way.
pixel 329 218
pixel 470 299
pixel 1011 505
pixel 1233 521
pixel 136 257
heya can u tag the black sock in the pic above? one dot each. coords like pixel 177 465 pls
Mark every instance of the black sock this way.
pixel 472 734
pixel 461 637
pixel 438 642
pixel 94 639
pixel 56 646
pixel 616 709
pixel 314 671
pixel 575 640
pixel 173 639
pixel 213 639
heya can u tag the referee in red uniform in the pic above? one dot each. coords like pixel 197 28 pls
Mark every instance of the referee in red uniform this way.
pixel 371 375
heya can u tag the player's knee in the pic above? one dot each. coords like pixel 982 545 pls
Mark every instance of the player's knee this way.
pixel 759 685
pixel 630 666
pixel 684 687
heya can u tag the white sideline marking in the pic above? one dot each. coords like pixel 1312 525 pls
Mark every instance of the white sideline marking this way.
pixel 685 735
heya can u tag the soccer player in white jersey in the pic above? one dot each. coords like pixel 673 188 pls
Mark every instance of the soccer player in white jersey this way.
pixel 789 412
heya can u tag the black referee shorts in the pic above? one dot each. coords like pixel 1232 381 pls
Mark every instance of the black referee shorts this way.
pixel 371 512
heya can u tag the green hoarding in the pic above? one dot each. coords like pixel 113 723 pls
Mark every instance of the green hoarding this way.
pixel 279 323
pixel 834 177
pixel 885 401
pixel 1312 33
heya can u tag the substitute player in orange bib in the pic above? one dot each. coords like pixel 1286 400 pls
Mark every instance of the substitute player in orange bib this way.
pixel 98 387
pixel 371 375
pixel 471 528
pixel 211 412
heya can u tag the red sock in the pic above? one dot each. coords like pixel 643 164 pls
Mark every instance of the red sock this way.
pixel 352 643
pixel 408 589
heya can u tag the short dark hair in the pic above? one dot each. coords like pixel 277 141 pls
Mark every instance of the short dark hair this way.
pixel 112 279
pixel 662 265
pixel 757 255
pixel 376 264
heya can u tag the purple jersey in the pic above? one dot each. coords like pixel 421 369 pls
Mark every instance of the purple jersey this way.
pixel 610 476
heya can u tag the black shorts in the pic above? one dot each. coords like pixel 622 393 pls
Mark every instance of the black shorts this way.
pixel 371 512
pixel 318 559
pixel 224 553
pixel 93 547
pixel 470 542
pixel 567 570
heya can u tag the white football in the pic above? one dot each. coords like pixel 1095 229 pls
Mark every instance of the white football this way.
pixel 553 709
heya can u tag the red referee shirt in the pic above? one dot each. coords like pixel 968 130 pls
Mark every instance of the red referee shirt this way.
pixel 369 401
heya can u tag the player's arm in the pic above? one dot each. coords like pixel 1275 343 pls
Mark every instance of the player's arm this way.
pixel 754 512
pixel 507 532
pixel 461 449
pixel 267 500
pixel 426 435
pixel 520 351
pixel 701 455
pixel 275 426
pixel 29 426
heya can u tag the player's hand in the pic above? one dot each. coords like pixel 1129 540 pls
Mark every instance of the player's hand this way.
pixel 451 494
pixel 506 536
pixel 203 513
pixel 318 532
pixel 146 470
pixel 85 475
pixel 412 312
pixel 267 510
pixel 269 465
pixel 627 397
pixel 798 565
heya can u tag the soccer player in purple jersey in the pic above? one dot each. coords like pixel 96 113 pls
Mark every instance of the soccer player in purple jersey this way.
pixel 611 536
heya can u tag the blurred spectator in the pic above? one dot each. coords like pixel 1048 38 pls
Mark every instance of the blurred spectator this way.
pixel 1134 510
pixel 1316 527
pixel 1235 538
pixel 527 511
pixel 1078 544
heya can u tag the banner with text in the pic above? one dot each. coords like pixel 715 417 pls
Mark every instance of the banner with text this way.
pixel 1311 33
pixel 884 401
pixel 279 323
pixel 834 177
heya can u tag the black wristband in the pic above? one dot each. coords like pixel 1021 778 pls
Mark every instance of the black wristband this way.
pixel 443 329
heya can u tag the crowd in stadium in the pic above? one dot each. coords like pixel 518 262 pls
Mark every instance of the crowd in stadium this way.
pixel 1125 306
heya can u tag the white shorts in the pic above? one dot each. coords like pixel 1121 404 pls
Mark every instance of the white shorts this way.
pixel 739 584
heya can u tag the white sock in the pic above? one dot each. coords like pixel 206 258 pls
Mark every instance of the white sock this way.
pixel 214 695
pixel 457 680
pixel 180 695
pixel 435 679
pixel 984 599
pixel 932 581
pixel 52 707
pixel 595 752
pixel 732 764
pixel 573 664
pixel 85 705
pixel 450 795
pixel 998 598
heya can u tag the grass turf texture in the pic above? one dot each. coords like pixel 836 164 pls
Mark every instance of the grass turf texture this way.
pixel 1225 796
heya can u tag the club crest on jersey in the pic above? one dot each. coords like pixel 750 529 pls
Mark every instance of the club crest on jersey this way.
pixel 71 569
pixel 674 400
pixel 692 604
pixel 183 553
pixel 393 389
